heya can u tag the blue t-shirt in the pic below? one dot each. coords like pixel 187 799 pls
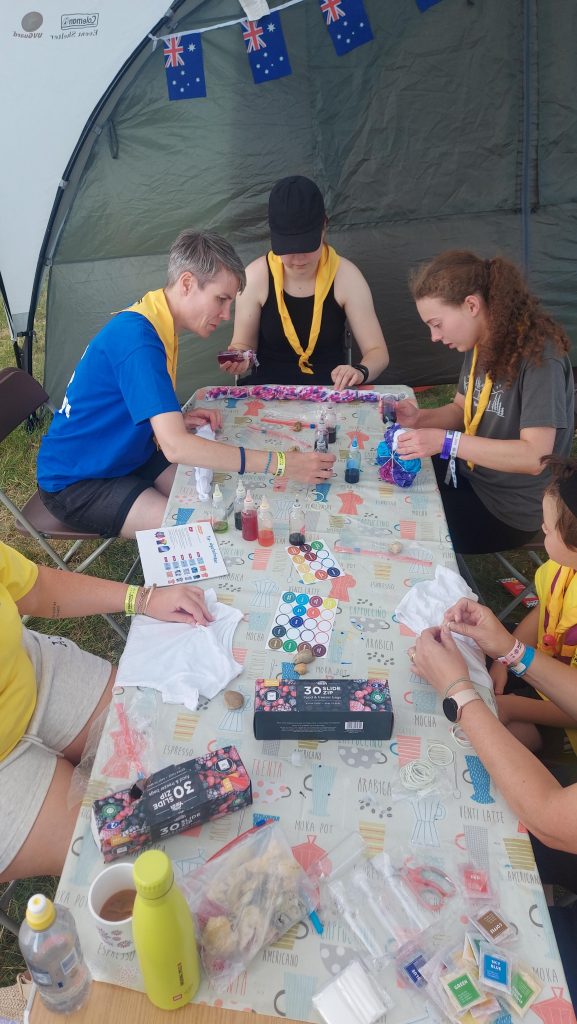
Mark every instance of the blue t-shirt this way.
pixel 102 429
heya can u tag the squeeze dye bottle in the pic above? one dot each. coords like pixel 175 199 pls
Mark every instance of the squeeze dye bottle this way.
pixel 248 518
pixel 353 463
pixel 50 946
pixel 331 422
pixel 218 517
pixel 163 933
pixel 265 528
pixel 238 504
pixel 297 533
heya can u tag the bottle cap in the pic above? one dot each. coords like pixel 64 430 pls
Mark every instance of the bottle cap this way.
pixel 40 912
pixel 153 874
pixel 248 499
pixel 264 505
pixel 217 493
pixel 240 489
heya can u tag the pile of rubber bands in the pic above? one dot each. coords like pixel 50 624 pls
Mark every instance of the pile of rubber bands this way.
pixel 290 393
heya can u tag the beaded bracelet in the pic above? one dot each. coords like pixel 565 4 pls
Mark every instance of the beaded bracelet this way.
pixel 268 462
pixel 130 600
pixel 280 464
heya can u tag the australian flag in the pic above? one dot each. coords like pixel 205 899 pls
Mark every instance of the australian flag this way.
pixel 347 24
pixel 184 67
pixel 266 48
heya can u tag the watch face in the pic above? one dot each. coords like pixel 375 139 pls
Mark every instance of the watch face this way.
pixel 451 709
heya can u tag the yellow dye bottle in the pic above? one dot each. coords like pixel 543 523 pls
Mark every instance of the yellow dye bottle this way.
pixel 163 932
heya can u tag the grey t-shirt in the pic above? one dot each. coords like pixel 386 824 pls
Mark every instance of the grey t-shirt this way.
pixel 541 396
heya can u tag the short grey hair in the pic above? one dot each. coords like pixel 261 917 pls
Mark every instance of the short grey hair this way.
pixel 204 254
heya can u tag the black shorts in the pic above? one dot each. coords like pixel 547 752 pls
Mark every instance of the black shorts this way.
pixel 101 506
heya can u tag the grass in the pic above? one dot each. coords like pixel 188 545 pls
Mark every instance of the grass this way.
pixel 18 478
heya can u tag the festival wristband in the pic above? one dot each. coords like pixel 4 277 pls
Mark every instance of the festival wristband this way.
pixel 461 679
pixel 515 654
pixel 242 460
pixel 280 464
pixel 521 667
pixel 130 600
pixel 455 443
pixel 446 449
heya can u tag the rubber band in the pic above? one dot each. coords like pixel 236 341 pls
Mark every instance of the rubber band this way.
pixel 242 460
pixel 417 774
pixel 440 754
pixel 460 736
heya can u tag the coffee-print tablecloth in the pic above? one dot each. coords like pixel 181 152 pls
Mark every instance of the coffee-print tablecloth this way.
pixel 335 787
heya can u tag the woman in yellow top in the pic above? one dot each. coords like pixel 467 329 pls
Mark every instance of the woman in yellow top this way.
pixel 51 692
pixel 297 298
pixel 514 400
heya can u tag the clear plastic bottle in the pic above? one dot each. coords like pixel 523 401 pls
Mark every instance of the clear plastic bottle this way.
pixel 353 463
pixel 248 518
pixel 218 516
pixel 265 527
pixel 239 503
pixel 322 434
pixel 163 932
pixel 297 532
pixel 50 946
pixel 331 422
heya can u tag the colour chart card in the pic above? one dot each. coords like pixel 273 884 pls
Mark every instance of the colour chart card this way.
pixel 302 622
pixel 180 554
pixel 314 561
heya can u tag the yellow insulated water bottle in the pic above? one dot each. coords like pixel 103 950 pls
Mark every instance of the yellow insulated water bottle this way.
pixel 163 932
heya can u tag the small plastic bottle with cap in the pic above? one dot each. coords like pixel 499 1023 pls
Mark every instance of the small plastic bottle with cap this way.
pixel 264 522
pixel 331 422
pixel 218 516
pixel 50 945
pixel 322 434
pixel 163 932
pixel 248 517
pixel 297 531
pixel 239 503
pixel 353 463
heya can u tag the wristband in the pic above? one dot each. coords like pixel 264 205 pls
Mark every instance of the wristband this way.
pixel 455 443
pixel 148 596
pixel 268 462
pixel 280 463
pixel 242 460
pixel 130 600
pixel 521 667
pixel 363 369
pixel 446 449
pixel 515 654
pixel 461 679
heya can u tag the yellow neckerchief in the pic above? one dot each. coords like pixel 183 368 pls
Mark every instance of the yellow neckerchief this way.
pixel 326 270
pixel 556 587
pixel 154 307
pixel 472 422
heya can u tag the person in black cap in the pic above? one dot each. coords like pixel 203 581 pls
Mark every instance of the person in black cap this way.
pixel 292 312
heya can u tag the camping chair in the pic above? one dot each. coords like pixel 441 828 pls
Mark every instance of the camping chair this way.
pixel 20 397
pixel 6 921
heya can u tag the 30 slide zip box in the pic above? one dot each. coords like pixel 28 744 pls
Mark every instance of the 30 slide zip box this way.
pixel 323 709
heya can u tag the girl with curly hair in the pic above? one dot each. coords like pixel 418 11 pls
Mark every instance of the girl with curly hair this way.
pixel 513 405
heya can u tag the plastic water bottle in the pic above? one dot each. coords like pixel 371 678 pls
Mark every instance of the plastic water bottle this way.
pixel 322 434
pixel 297 533
pixel 163 932
pixel 264 523
pixel 353 463
pixel 218 517
pixel 331 422
pixel 238 504
pixel 50 946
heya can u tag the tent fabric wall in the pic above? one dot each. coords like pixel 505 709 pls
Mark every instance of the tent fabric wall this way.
pixel 417 140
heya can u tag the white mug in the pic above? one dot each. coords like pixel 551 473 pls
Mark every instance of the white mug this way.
pixel 114 879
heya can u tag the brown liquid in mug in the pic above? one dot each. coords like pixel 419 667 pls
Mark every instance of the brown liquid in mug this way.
pixel 118 906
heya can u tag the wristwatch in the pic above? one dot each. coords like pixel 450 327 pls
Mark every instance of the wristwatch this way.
pixel 453 706
pixel 363 369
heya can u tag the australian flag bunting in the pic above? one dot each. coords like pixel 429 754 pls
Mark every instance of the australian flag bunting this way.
pixel 266 48
pixel 184 67
pixel 347 24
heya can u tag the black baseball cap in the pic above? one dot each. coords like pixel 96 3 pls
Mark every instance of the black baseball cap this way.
pixel 296 215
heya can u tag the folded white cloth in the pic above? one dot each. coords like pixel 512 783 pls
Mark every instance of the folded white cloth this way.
pixel 425 605
pixel 180 660
pixel 203 477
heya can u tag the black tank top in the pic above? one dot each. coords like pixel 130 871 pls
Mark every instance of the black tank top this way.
pixel 278 362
